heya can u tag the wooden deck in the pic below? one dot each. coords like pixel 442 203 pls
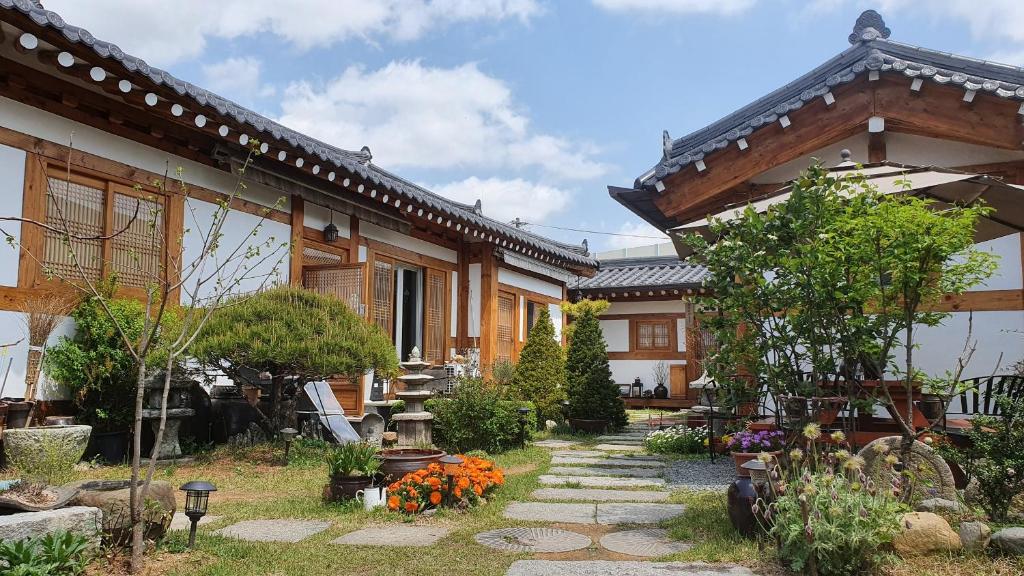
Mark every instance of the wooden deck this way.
pixel 664 404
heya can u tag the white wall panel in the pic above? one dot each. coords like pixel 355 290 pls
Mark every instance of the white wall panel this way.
pixel 474 301
pixel 519 280
pixel 616 334
pixel 318 217
pixel 12 329
pixel 555 310
pixel 12 189
pixel 455 305
pixel 408 242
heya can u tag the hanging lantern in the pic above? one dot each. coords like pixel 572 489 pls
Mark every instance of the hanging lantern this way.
pixel 331 231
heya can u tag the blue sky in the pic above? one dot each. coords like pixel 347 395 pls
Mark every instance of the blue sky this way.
pixel 535 106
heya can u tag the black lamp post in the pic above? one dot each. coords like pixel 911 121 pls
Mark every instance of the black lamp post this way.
pixel 288 435
pixel 451 463
pixel 523 413
pixel 197 499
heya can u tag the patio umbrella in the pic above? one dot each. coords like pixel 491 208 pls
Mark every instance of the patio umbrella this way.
pixel 947 187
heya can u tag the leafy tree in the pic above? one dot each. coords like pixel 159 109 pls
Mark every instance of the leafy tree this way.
pixel 540 374
pixel 477 417
pixel 592 392
pixel 291 332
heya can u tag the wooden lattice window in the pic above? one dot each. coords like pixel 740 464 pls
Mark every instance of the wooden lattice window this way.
pixel 326 273
pixel 654 334
pixel 384 294
pixel 506 324
pixel 132 221
pixel 434 316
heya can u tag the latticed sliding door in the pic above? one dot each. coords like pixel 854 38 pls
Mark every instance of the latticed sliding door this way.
pixel 383 286
pixel 344 282
pixel 83 208
pixel 137 252
pixel 434 316
pixel 506 324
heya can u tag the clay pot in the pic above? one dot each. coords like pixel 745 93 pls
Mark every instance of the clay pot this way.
pixel 824 410
pixel 111 447
pixel 932 406
pixel 3 418
pixel 346 487
pixel 398 462
pixel 18 412
pixel 661 391
pixel 588 426
pixel 741 497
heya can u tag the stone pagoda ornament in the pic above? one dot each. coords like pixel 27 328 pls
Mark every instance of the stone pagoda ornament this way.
pixel 414 425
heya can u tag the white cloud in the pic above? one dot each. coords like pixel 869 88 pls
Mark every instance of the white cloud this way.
pixel 506 200
pixel 166 32
pixel 726 7
pixel 238 79
pixel 412 115
pixel 636 234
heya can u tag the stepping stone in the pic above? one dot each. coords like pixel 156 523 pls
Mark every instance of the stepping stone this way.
pixel 630 568
pixel 642 513
pixel 554 444
pixel 600 481
pixel 636 463
pixel 592 471
pixel 274 530
pixel 533 540
pixel 548 512
pixel 646 542
pixel 394 535
pixel 619 447
pixel 181 522
pixel 579 453
pixel 627 436
pixel 598 495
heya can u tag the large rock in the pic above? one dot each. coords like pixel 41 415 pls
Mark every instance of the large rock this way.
pixel 925 532
pixel 975 535
pixel 60 446
pixel 78 519
pixel 1009 541
pixel 113 499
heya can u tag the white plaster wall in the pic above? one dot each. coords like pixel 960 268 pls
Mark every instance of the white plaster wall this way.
pixel 616 334
pixel 555 310
pixel 318 217
pixel 513 278
pixel 522 319
pixel 681 334
pixel 35 122
pixel 999 337
pixel 625 371
pixel 653 306
pixel 1008 274
pixel 408 242
pixel 12 186
pixel 829 156
pixel 237 230
pixel 924 151
pixel 455 305
pixel 474 301
pixel 12 329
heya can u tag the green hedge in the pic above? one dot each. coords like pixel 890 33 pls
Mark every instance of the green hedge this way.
pixel 475 417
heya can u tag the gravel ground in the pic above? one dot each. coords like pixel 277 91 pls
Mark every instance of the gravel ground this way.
pixel 700 474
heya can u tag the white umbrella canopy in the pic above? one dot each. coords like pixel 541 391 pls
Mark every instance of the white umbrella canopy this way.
pixel 947 187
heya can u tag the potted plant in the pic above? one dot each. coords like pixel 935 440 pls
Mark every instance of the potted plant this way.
pixel 595 404
pixel 746 445
pixel 351 467
pixel 660 374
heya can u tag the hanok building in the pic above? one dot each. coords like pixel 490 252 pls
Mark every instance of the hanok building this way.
pixel 884 101
pixel 433 273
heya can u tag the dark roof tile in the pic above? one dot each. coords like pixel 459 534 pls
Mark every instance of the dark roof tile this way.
pixel 643 273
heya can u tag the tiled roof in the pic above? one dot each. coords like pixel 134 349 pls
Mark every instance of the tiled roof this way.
pixel 871 51
pixel 358 163
pixel 658 271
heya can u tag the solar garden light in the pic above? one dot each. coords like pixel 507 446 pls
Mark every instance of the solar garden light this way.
pixel 288 435
pixel 523 413
pixel 197 499
pixel 565 409
pixel 451 464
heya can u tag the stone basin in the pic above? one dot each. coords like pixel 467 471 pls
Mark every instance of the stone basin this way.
pixel 66 444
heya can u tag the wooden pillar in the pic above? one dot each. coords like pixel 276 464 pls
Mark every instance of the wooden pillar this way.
pixel 298 223
pixel 876 147
pixel 175 207
pixel 353 238
pixel 565 317
pixel 488 309
pixel 462 329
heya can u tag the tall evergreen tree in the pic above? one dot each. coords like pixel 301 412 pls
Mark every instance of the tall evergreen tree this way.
pixel 540 374
pixel 593 394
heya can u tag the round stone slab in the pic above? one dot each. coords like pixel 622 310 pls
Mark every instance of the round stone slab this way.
pixel 533 540
pixel 646 542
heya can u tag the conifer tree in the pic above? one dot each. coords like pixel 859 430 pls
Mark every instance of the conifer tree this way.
pixel 540 374
pixel 593 394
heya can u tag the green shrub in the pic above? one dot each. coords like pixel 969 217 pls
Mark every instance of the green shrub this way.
pixel 60 553
pixel 476 417
pixel 593 394
pixel 540 375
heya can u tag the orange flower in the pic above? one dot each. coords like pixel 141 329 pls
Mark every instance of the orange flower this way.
pixel 478 489
pixel 435 498
pixel 411 506
pixel 458 492
pixel 413 493
pixel 434 482
pixel 393 502
pixel 463 482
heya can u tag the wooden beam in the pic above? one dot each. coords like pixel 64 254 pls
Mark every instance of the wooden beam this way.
pixel 982 301
pixel 297 240
pixel 876 147
pixel 462 340
pixel 488 310
pixel 353 238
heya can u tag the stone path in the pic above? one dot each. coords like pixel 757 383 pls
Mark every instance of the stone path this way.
pixel 646 542
pixel 600 481
pixel 607 568
pixel 610 471
pixel 533 540
pixel 394 535
pixel 598 495
pixel 613 461
pixel 619 447
pixel 273 530
pixel 181 522
pixel 608 513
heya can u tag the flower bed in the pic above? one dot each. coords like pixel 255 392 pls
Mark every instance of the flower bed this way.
pixel 678 439
pixel 750 442
pixel 424 489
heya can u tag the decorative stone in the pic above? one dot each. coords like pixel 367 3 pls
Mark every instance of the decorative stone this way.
pixel 394 535
pixel 550 512
pixel 533 540
pixel 273 530
pixel 925 532
pixel 594 471
pixel 181 522
pixel 630 568
pixel 63 446
pixel 598 495
pixel 921 457
pixel 600 481
pixel 975 536
pixel 78 519
pixel 637 513
pixel 647 542
pixel 1009 541
pixel 939 505
pixel 112 498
